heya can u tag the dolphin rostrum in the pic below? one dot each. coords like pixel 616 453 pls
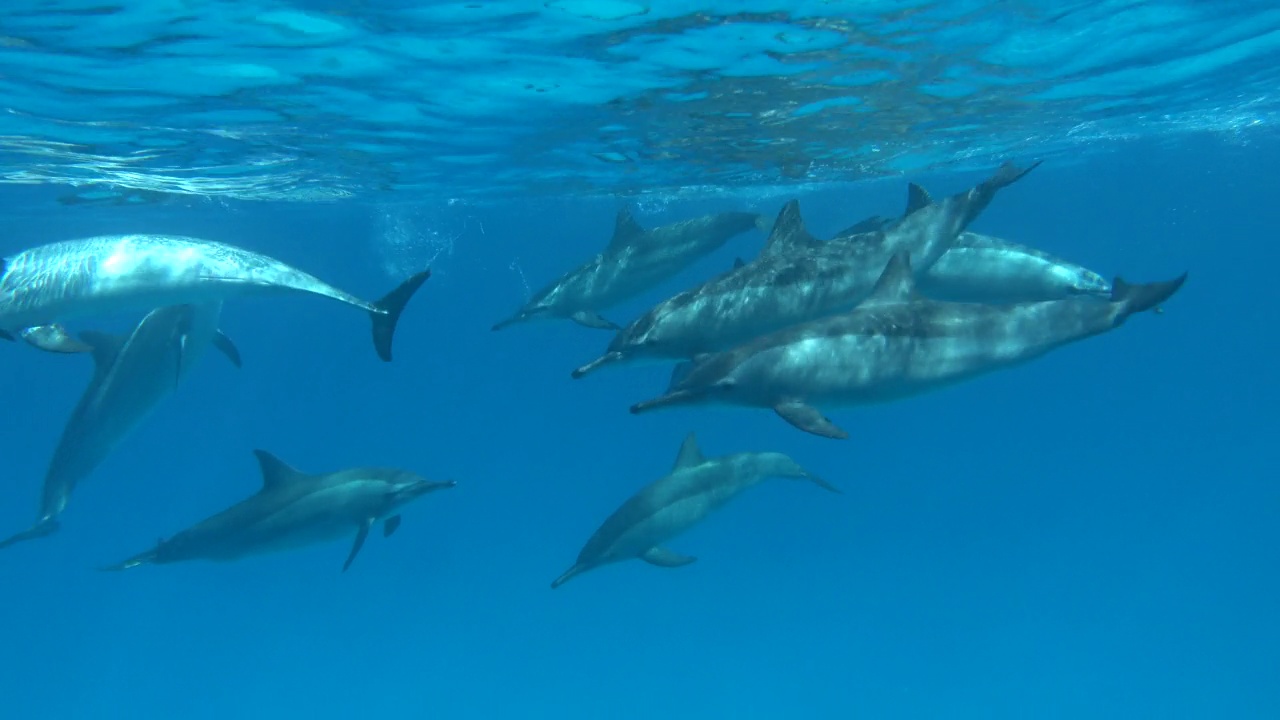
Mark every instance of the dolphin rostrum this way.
pixel 895 344
pixel 117 273
pixel 695 487
pixel 132 374
pixel 293 510
pixel 635 260
pixel 795 279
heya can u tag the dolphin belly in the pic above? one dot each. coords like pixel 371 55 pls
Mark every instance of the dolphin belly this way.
pixel 992 271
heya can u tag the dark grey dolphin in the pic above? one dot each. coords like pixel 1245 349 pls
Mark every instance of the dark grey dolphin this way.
pixel 293 510
pixel 125 273
pixel 982 268
pixel 894 345
pixel 132 374
pixel 635 260
pixel 794 279
pixel 694 488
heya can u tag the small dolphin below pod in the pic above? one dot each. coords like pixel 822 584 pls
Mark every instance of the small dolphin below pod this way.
pixel 121 273
pixel 132 374
pixel 294 509
pixel 635 260
pixel 694 488
pixel 893 345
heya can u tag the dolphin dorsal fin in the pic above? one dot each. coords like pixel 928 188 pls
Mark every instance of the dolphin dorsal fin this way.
pixel 897 284
pixel 788 231
pixel 917 197
pixel 689 454
pixel 276 472
pixel 625 229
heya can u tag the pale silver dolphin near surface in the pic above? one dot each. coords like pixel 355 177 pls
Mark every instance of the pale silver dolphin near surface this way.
pixel 294 509
pixel 794 279
pixel 894 345
pixel 635 260
pixel 118 273
pixel 983 268
pixel 132 374
pixel 695 487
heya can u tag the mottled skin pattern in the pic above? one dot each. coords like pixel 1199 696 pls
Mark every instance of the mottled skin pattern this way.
pixel 635 261
pixel 90 276
pixel 895 345
pixel 669 506
pixel 795 280
pixel 293 511
pixel 982 268
pixel 132 375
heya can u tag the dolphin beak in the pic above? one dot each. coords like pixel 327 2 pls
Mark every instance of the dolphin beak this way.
pixel 568 575
pixel 423 487
pixel 514 319
pixel 676 397
pixel 605 359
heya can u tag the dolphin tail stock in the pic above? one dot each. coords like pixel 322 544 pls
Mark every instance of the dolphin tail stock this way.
pixel 386 312
pixel 1136 298
pixel 571 573
pixel 46 526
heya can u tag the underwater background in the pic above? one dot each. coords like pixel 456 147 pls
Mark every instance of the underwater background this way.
pixel 1093 534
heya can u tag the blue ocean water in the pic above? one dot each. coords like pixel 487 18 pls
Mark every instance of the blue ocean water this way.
pixel 1093 534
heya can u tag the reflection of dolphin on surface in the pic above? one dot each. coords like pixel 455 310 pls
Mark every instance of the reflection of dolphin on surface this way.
pixel 794 279
pixel 293 510
pixel 635 260
pixel 132 374
pixel 894 345
pixel 118 273
pixel 695 487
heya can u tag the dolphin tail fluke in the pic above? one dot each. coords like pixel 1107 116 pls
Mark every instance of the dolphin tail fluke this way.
pixel 571 573
pixel 47 526
pixel 1007 175
pixel 981 196
pixel 1146 296
pixel 386 313
pixel 139 559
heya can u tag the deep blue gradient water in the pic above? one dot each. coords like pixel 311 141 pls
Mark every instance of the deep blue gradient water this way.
pixel 1094 534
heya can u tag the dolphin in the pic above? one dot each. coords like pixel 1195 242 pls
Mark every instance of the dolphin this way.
pixel 694 488
pixel 132 374
pixel 895 344
pixel 635 260
pixel 123 273
pixel 294 509
pixel 795 279
pixel 983 268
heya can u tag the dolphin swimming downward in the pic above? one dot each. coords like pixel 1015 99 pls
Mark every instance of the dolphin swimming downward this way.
pixel 132 374
pixel 294 509
pixel 635 260
pixel 116 273
pixel 894 345
pixel 695 487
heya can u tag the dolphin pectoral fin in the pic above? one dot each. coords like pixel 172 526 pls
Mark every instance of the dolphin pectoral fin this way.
pixel 53 338
pixel 47 526
pixel 6 335
pixel 390 526
pixel 738 262
pixel 1136 298
pixel 387 313
pixel 361 535
pixel 226 347
pixel 589 319
pixel 808 419
pixel 663 557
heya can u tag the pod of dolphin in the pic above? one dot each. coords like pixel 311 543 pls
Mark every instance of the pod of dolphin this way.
pixel 886 309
